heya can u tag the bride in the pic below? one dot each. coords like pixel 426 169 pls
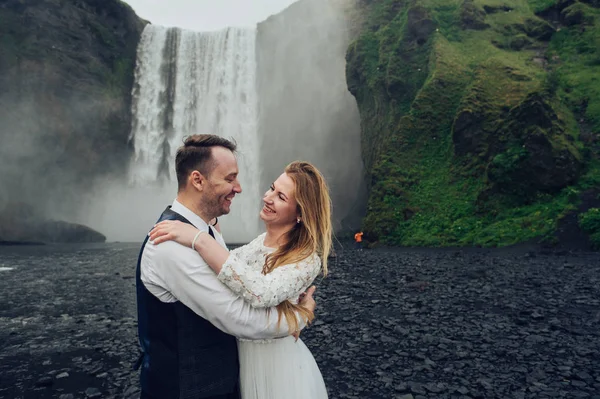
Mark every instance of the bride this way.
pixel 274 269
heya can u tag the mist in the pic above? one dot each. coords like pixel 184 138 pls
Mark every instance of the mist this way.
pixel 125 211
pixel 306 111
pixel 48 162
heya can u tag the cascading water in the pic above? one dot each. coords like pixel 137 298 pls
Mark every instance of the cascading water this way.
pixel 197 82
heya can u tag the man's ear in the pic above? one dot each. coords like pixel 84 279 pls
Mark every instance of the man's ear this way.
pixel 197 180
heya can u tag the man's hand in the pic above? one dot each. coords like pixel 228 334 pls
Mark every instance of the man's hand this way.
pixel 306 299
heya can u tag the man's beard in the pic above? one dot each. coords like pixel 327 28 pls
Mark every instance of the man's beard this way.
pixel 215 208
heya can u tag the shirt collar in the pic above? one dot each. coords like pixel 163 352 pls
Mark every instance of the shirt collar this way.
pixel 189 215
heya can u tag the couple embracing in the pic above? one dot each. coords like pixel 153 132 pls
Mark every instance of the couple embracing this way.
pixel 223 324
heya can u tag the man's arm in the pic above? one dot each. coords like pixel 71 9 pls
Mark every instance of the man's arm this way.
pixel 189 279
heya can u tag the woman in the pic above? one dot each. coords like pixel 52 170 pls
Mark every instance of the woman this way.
pixel 273 270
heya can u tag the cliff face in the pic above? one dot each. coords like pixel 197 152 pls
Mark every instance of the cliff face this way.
pixel 480 118
pixel 66 74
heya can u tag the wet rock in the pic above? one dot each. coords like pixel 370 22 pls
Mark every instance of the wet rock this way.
pixel 417 388
pixel 576 14
pixel 21 223
pixel 553 167
pixel 44 382
pixel 538 29
pixel 420 25
pixel 93 393
pixel 462 390
pixel 435 387
pixel 471 16
pixel 489 9
pixel 131 391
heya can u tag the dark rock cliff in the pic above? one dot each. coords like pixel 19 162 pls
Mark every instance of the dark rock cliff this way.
pixel 66 74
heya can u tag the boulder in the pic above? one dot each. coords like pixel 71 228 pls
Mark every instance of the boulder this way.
pixel 419 24
pixel 537 154
pixel 576 14
pixel 472 17
pixel 491 9
pixel 467 132
pixel 515 42
pixel 538 29
pixel 64 232
pixel 21 224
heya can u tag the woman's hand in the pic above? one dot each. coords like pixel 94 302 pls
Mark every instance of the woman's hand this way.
pixel 175 230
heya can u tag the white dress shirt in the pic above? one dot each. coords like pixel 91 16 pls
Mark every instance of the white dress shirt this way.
pixel 173 272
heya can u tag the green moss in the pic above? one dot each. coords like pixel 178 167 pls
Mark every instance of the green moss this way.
pixel 440 111
pixel 119 78
pixel 591 179
pixel 590 222
pixel 538 6
pixel 103 33
pixel 575 52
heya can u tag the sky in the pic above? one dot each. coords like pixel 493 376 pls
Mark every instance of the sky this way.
pixel 207 15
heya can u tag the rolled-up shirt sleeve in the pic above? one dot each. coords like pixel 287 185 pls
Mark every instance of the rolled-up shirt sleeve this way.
pixel 190 280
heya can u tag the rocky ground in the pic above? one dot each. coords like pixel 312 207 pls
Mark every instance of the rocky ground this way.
pixel 516 323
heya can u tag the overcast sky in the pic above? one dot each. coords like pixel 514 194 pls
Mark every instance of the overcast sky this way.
pixel 206 15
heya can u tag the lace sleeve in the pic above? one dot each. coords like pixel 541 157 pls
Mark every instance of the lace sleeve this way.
pixel 236 251
pixel 263 291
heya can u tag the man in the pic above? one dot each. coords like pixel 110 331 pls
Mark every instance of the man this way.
pixel 187 319
pixel 358 240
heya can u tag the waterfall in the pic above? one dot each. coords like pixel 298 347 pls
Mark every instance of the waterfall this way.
pixel 197 82
pixel 278 89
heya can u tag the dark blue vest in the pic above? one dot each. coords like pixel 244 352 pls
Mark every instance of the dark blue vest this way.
pixel 183 355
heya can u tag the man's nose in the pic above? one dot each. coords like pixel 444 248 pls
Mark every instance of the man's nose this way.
pixel 237 188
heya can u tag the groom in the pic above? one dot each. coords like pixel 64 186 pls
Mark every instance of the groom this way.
pixel 187 319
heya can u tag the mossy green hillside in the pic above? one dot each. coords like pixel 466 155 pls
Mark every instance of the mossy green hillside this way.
pixel 590 222
pixel 574 55
pixel 473 117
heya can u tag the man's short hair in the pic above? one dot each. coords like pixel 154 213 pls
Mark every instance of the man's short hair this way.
pixel 195 154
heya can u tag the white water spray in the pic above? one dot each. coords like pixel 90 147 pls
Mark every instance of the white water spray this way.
pixel 197 82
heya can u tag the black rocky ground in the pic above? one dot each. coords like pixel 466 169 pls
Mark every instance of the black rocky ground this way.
pixel 390 323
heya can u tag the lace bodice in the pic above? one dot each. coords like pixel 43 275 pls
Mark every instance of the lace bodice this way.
pixel 242 273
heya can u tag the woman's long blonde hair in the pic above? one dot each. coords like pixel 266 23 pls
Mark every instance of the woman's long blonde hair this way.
pixel 312 235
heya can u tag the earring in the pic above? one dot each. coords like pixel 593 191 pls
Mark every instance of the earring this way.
pixel 298 220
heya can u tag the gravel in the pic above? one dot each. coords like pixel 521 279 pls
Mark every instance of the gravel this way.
pixel 391 323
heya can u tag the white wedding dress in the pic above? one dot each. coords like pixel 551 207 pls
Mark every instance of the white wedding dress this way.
pixel 279 368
